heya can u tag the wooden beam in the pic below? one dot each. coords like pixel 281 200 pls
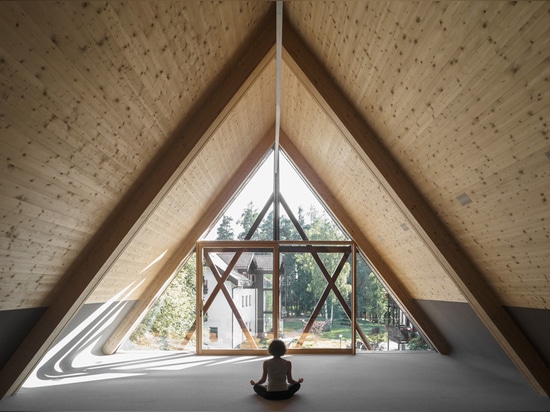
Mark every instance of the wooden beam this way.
pixel 228 298
pixel 351 313
pixel 174 262
pixel 331 285
pixel 389 278
pixel 140 202
pixel 461 269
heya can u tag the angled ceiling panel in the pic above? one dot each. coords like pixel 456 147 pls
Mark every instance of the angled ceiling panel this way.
pixel 90 92
pixel 139 203
pixel 434 232
pixel 194 192
pixel 360 193
pixel 459 94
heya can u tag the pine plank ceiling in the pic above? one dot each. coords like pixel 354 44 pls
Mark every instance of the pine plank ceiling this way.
pixel 458 92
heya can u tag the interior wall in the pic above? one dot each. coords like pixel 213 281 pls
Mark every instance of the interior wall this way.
pixel 471 341
pixel 15 325
pixel 468 337
pixel 93 322
pixel 97 322
pixel 535 323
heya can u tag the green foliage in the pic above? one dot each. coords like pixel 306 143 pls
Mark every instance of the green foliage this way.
pixel 174 312
pixel 371 295
pixel 322 227
pixel 225 230
pixel 417 342
pixel 248 217
pixel 302 283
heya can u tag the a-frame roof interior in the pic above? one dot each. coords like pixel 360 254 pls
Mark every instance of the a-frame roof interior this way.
pixel 126 127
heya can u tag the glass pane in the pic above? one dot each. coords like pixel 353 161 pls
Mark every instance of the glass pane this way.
pixel 384 324
pixel 169 324
pixel 218 326
pixel 296 303
pixel 304 205
pixel 265 316
pixel 297 194
pixel 239 315
pixel 331 328
pixel 268 301
pixel 268 326
pixel 312 314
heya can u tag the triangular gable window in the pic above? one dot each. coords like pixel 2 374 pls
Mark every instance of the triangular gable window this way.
pixel 297 201
pixel 310 307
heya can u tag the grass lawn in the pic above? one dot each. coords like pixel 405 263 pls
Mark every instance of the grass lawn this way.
pixel 339 327
pixel 292 324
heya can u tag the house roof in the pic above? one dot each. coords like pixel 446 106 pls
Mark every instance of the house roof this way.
pixel 127 126
pixel 234 275
pixel 264 263
pixel 248 260
pixel 243 263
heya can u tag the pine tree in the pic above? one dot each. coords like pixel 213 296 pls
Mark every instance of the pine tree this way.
pixel 225 229
pixel 248 217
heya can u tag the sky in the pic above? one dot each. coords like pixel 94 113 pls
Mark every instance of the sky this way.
pixel 260 187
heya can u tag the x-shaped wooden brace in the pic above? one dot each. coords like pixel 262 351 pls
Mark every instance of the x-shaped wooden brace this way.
pixel 331 284
pixel 220 279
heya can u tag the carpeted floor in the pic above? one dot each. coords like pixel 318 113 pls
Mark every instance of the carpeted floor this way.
pixel 169 381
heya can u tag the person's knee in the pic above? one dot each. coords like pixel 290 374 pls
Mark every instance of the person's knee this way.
pixel 260 390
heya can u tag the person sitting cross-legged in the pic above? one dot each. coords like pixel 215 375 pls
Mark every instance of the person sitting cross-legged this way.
pixel 278 372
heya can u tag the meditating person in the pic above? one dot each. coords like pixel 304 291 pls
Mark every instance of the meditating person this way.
pixel 278 372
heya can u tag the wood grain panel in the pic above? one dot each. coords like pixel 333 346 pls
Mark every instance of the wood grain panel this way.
pixel 449 254
pixel 141 202
pixel 201 183
pixel 459 92
pixel 362 196
pixel 90 92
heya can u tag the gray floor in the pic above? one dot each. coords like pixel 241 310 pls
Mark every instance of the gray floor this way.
pixel 164 381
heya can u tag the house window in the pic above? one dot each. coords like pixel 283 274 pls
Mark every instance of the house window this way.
pixel 213 334
pixel 204 286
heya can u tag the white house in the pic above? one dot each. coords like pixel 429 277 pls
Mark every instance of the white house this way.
pixel 221 328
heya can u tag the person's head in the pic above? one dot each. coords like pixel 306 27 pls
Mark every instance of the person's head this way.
pixel 277 348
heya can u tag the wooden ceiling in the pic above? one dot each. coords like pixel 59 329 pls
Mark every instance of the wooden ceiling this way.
pixel 126 127
pixel 91 92
pixel 459 93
